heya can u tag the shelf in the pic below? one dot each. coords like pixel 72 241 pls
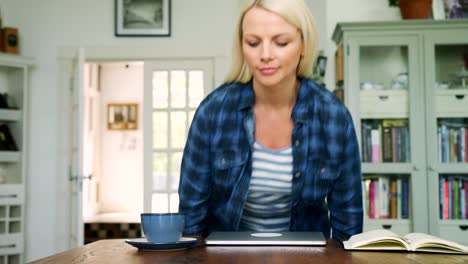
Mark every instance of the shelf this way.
pixel 10 156
pixel 10 115
pixel 9 60
pixel 459 167
pixel 14 79
pixel 384 168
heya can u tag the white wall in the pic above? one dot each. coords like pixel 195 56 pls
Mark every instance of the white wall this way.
pixel 199 28
pixel 121 183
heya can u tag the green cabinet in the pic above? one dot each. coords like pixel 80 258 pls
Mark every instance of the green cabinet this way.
pixel 405 84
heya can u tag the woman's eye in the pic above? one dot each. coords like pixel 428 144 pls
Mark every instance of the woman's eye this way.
pixel 282 44
pixel 252 44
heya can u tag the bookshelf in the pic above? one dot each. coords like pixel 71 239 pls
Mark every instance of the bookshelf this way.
pixel 403 83
pixel 446 53
pixel 14 75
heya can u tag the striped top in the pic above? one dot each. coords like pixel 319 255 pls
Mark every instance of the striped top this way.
pixel 267 207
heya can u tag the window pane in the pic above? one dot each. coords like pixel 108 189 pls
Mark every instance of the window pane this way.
pixel 160 89
pixel 195 88
pixel 160 164
pixel 178 88
pixel 175 170
pixel 160 137
pixel 178 121
pixel 160 203
pixel 191 115
pixel 174 203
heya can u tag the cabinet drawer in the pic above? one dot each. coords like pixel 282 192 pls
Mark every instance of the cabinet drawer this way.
pixel 401 228
pixel 451 103
pixel 11 244
pixel 457 233
pixel 11 194
pixel 384 104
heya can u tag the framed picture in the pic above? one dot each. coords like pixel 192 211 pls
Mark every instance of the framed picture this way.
pixel 142 18
pixel 122 116
pixel 456 9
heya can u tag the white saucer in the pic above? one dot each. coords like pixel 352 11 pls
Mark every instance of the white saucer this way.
pixel 144 244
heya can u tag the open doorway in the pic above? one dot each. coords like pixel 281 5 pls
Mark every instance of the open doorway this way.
pixel 113 199
pixel 136 117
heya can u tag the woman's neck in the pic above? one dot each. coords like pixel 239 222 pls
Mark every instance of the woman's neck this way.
pixel 276 97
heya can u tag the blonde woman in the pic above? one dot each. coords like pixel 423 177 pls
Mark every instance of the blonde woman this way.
pixel 271 150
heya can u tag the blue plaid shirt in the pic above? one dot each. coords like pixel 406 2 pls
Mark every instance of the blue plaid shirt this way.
pixel 217 163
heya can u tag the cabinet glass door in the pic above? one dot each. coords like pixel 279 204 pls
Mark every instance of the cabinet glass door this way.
pixel 447 125
pixel 387 79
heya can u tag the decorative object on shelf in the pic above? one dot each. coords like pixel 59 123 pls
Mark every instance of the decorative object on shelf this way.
pixel 7 101
pixel 9 40
pixel 122 116
pixel 320 67
pixel 6 139
pixel 456 9
pixel 142 18
pixel 3 101
pixel 339 92
pixel 438 10
pixel 413 9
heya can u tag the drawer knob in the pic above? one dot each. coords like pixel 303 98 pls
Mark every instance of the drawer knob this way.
pixel 387 226
pixel 383 97
pixel 464 227
pixel 460 96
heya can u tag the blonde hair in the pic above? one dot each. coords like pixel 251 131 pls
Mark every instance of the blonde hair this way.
pixel 297 14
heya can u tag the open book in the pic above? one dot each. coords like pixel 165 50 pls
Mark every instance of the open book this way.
pixel 382 239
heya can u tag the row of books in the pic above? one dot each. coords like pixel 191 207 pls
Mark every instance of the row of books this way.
pixel 453 197
pixel 386 140
pixel 453 142
pixel 386 197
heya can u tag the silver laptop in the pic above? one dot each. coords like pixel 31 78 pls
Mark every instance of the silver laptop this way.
pixel 267 238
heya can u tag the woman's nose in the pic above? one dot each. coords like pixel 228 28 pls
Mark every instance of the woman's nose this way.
pixel 266 53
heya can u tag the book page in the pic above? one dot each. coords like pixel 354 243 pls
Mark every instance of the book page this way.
pixel 376 239
pixel 425 242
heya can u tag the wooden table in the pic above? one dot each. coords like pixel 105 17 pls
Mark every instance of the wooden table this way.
pixel 117 251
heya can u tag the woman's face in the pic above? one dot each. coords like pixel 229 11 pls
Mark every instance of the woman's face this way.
pixel 271 46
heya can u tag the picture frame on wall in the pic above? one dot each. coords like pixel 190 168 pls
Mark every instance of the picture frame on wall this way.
pixel 142 18
pixel 122 116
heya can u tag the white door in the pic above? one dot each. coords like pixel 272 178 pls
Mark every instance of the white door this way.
pixel 81 148
pixel 90 139
pixel 173 89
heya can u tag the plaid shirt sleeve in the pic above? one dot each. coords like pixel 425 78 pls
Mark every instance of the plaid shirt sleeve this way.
pixel 194 186
pixel 345 198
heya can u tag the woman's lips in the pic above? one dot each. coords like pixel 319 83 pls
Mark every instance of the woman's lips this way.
pixel 268 71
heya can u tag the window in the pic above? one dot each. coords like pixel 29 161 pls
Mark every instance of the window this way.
pixel 176 92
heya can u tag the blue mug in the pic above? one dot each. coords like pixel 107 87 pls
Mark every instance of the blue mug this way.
pixel 163 228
